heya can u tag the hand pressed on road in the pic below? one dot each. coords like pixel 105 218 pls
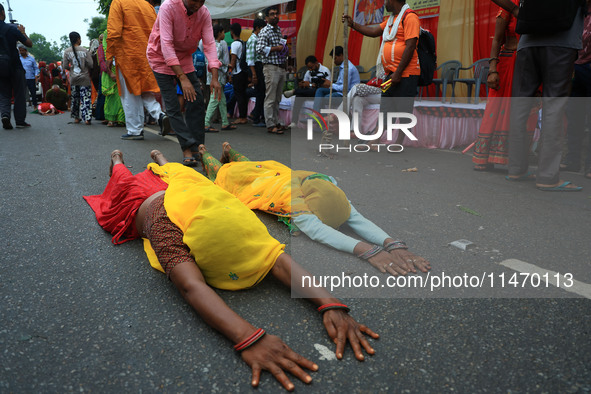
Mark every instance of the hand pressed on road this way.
pixel 271 354
pixel 342 328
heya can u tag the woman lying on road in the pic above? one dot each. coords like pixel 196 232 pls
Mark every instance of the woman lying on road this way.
pixel 311 203
pixel 202 236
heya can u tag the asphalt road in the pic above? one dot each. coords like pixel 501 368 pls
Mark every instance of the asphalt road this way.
pixel 79 314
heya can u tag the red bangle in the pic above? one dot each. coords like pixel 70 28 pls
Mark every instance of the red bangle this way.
pixel 258 334
pixel 326 307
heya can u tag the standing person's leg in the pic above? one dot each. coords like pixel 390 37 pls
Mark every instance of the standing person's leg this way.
pixel 19 87
pixel 223 109
pixel 195 116
pixel 280 76
pixel 577 109
pixel 5 96
pixel 212 106
pixel 557 66
pixel 270 88
pixel 258 111
pixel 240 85
pixel 189 144
pixel 405 99
pixel 134 111
pixel 86 104
pixel 76 103
pixel 526 80
pixel 33 91
pixel 152 105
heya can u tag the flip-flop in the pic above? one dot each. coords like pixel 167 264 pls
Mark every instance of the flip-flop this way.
pixel 190 161
pixel 229 127
pixel 211 130
pixel 529 176
pixel 561 188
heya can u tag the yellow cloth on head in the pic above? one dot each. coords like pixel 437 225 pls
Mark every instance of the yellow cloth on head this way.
pixel 326 201
pixel 231 246
pixel 262 185
pixel 274 188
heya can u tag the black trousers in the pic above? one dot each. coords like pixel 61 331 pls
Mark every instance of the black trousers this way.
pixel 240 82
pixel 258 112
pixel 15 84
pixel 190 130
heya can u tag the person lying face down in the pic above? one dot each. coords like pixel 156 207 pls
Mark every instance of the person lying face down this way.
pixel 309 202
pixel 202 236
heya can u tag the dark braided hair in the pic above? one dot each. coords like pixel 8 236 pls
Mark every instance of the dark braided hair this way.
pixel 74 37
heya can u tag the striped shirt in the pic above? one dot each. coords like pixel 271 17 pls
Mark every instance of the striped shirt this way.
pixel 252 55
pixel 270 37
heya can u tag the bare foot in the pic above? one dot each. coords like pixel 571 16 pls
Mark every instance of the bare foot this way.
pixel 116 158
pixel 225 153
pixel 158 157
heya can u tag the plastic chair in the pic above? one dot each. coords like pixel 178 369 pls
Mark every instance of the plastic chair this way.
pixel 371 72
pixel 480 68
pixel 450 71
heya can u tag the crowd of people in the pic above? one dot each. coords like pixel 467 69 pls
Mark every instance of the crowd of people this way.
pixel 143 69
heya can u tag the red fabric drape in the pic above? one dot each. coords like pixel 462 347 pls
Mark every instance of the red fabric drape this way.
pixel 354 46
pixel 485 12
pixel 299 13
pixel 324 27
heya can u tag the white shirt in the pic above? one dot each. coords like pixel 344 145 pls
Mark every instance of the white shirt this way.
pixel 236 49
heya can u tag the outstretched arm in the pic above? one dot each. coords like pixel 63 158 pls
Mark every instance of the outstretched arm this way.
pixel 269 353
pixel 404 261
pixel 366 30
pixel 339 325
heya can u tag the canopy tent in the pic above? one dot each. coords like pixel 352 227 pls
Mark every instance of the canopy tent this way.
pixel 463 29
pixel 226 9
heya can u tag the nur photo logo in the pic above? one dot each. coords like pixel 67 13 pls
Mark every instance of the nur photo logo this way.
pixel 393 121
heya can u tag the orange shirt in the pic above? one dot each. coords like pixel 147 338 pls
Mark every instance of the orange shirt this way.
pixel 128 30
pixel 409 28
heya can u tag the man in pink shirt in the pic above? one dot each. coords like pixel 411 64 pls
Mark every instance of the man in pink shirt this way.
pixel 179 27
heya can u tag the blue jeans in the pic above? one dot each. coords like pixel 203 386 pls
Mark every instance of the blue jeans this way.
pixel 320 94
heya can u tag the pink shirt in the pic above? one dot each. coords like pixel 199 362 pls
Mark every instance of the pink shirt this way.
pixel 175 36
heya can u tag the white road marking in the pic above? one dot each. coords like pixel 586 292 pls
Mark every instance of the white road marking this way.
pixel 580 288
pixel 325 353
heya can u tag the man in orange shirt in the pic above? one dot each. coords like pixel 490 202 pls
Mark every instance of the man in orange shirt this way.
pixel 128 29
pixel 398 59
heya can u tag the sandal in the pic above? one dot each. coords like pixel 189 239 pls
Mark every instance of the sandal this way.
pixel 211 130
pixel 564 187
pixel 274 130
pixel 189 161
pixel 110 124
pixel 229 127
